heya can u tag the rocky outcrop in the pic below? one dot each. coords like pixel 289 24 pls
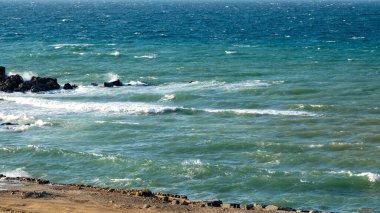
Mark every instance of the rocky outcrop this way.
pixel 15 83
pixel 113 83
pixel 2 73
pixel 68 86
pixel 10 83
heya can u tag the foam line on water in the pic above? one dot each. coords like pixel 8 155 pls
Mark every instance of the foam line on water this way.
pixel 262 112
pixel 109 107
pixel 138 107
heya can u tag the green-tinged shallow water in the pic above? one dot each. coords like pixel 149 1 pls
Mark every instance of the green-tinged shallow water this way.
pixel 283 107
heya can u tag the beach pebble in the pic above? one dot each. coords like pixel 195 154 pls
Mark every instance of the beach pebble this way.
pixel 249 206
pixel 271 208
pixel 146 206
pixel 175 202
pixel 231 206
pixel 258 207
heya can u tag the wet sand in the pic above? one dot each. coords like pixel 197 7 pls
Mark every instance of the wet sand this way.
pixel 36 195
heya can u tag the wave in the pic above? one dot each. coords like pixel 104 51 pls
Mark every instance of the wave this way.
pixel 139 107
pixel 109 107
pixel 211 85
pixel 112 76
pixel 228 52
pixel 263 112
pixel 371 177
pixel 19 172
pixel 115 53
pixel 167 98
pixel 59 46
pixel 149 56
pixel 25 75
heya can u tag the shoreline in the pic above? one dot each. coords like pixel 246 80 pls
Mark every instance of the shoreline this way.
pixel 24 194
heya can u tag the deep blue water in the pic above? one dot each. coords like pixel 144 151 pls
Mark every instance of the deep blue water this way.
pixel 283 107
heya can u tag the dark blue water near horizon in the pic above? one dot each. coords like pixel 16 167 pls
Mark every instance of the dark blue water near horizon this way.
pixel 282 108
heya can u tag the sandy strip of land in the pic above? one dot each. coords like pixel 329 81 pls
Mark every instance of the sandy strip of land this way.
pixel 36 195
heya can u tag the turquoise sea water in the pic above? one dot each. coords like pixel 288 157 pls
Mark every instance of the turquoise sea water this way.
pixel 282 108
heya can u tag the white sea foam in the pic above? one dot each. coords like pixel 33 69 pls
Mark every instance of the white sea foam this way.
pixel 167 98
pixel 112 76
pixel 19 172
pixel 115 53
pixel 357 37
pixel 228 52
pixel 197 162
pixel 59 46
pixel 149 56
pixel 109 107
pixel 262 112
pixel 14 117
pixel 136 83
pixel 125 122
pixel 25 75
pixel 372 177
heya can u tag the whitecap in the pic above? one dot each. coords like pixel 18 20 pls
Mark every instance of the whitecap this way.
pixel 197 162
pixel 112 76
pixel 109 107
pixel 228 52
pixel 149 56
pixel 14 117
pixel 357 37
pixel 115 53
pixel 125 122
pixel 262 112
pixel 19 172
pixel 26 76
pixel 167 98
pixel 59 46
pixel 372 177
pixel 136 83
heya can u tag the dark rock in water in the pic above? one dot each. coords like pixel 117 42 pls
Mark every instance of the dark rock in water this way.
pixel 94 84
pixel 44 84
pixel 1 176
pixel 214 203
pixel 25 86
pixel 107 84
pixel 10 83
pixel 69 86
pixel 8 124
pixel 2 73
pixel 113 83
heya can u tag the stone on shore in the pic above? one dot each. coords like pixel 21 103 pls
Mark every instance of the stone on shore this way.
pixel 231 206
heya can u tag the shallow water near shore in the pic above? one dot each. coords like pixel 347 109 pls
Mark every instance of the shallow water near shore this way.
pixel 271 102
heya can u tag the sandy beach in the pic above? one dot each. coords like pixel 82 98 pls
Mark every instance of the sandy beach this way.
pixel 36 195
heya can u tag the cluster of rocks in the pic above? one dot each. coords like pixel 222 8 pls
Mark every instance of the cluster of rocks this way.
pixel 15 83
pixel 164 198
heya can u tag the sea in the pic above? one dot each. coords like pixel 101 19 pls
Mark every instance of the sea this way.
pixel 248 101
